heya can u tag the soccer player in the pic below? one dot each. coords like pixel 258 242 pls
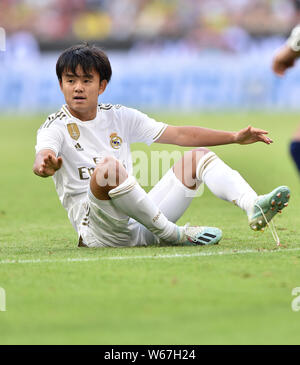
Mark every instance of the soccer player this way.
pixel 86 148
pixel 283 60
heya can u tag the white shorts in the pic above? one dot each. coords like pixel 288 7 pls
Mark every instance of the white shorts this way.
pixel 100 224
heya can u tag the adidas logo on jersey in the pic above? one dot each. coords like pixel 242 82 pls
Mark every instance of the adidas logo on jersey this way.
pixel 78 147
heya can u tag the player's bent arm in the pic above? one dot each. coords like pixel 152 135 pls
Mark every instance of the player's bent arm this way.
pixel 287 55
pixel 284 59
pixel 46 163
pixel 190 136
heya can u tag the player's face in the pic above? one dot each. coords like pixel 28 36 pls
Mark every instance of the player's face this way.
pixel 81 92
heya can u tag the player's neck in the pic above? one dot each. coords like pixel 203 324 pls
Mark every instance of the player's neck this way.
pixel 83 116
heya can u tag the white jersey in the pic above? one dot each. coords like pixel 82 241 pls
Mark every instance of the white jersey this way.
pixel 294 39
pixel 82 144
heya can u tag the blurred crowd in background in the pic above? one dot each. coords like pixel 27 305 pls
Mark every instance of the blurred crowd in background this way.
pixel 228 25
pixel 207 54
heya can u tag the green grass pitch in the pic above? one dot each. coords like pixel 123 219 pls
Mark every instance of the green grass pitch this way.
pixel 238 292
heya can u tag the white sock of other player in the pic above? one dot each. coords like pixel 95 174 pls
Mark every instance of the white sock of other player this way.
pixel 224 182
pixel 132 200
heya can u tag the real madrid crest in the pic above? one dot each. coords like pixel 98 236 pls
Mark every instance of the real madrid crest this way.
pixel 115 141
pixel 73 130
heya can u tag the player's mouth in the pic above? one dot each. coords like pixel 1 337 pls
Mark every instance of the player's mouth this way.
pixel 79 98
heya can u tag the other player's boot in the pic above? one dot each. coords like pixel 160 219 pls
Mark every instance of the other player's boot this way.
pixel 194 236
pixel 267 206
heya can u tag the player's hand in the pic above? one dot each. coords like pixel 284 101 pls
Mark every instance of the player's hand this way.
pixel 251 135
pixel 284 60
pixel 50 164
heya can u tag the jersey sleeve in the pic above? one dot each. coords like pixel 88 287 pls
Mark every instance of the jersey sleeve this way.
pixel 49 138
pixel 294 39
pixel 143 128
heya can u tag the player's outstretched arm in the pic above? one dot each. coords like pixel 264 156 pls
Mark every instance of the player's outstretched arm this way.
pixel 46 163
pixel 190 136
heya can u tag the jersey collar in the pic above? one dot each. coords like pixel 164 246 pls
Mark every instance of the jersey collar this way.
pixel 87 122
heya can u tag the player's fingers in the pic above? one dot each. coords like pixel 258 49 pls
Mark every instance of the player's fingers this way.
pixel 262 140
pixel 279 72
pixel 47 161
pixel 265 139
pixel 260 131
pixel 59 162
pixel 257 130
pixel 278 68
pixel 42 171
pixel 52 159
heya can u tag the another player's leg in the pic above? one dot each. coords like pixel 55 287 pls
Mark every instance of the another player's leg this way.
pixel 295 149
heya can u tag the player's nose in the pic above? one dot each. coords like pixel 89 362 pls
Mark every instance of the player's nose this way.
pixel 78 86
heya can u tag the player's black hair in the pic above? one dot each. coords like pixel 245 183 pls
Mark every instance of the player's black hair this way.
pixel 88 57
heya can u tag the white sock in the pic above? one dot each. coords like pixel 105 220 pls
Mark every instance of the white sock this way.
pixel 172 197
pixel 224 182
pixel 132 200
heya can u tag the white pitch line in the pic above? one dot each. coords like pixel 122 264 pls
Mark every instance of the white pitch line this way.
pixel 170 256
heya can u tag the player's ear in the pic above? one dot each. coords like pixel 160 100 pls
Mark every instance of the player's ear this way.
pixel 60 85
pixel 102 86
